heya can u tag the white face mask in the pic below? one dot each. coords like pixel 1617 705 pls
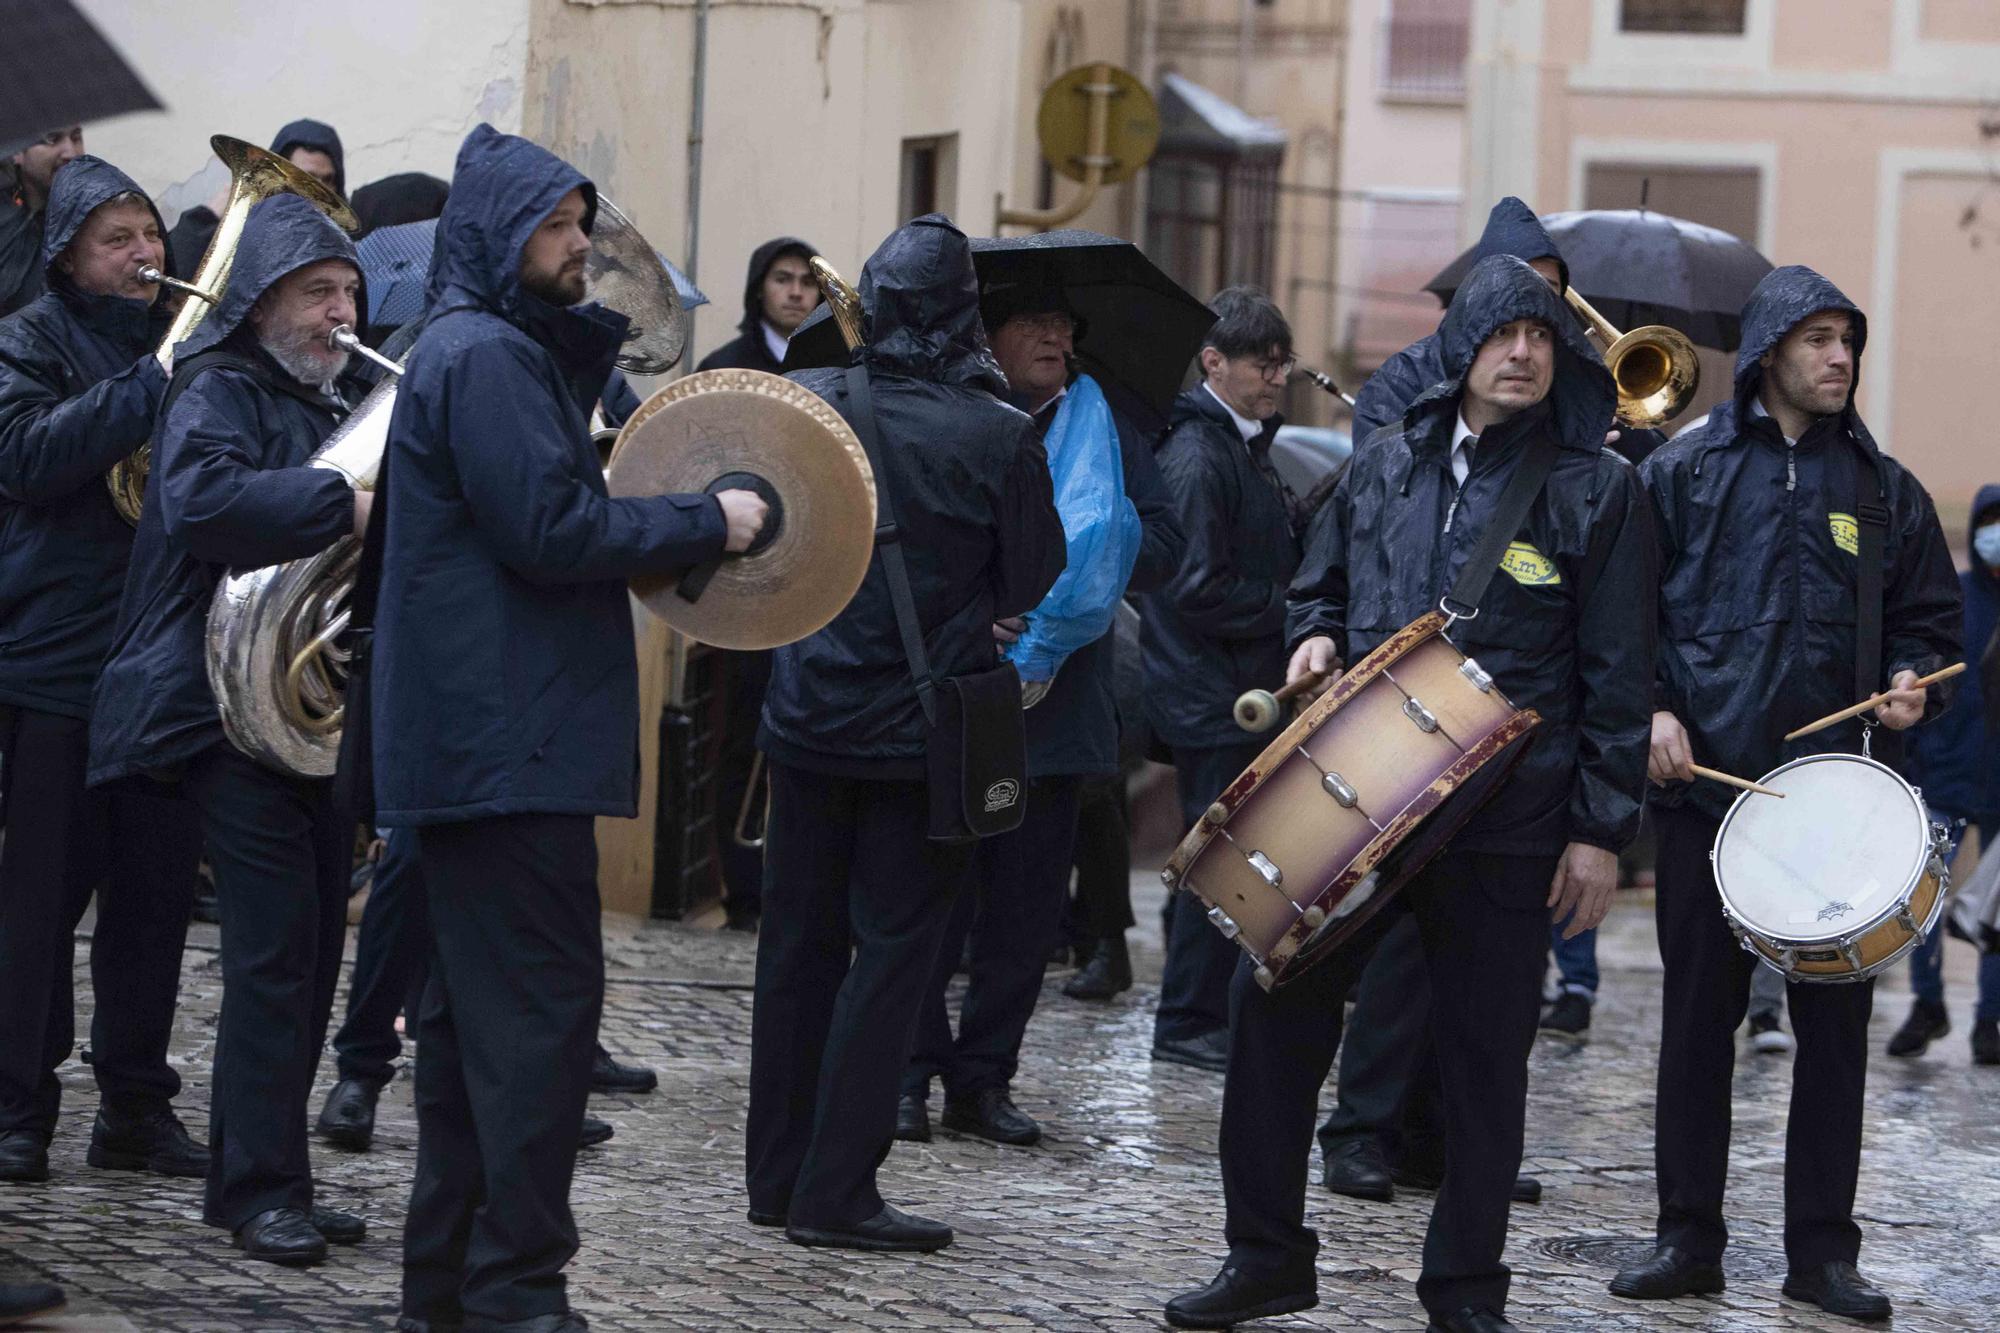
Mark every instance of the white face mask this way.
pixel 1986 542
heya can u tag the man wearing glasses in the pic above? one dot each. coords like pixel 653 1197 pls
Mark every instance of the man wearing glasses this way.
pixel 1217 627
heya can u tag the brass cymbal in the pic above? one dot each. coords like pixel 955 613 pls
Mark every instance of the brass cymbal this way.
pixel 745 429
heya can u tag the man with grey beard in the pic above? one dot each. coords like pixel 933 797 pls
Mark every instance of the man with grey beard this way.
pixel 250 401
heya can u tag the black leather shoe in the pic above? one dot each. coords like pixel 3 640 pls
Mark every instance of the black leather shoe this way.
pixel 151 1140
pixel 991 1114
pixel 1356 1168
pixel 339 1228
pixel 913 1119
pixel 1527 1189
pixel 761 1218
pixel 595 1131
pixel 890 1229
pixel 1107 973
pixel 25 1300
pixel 1669 1273
pixel 607 1075
pixel 1926 1023
pixel 1472 1319
pixel 1986 1042
pixel 24 1156
pixel 1209 1051
pixel 282 1236
pixel 1836 1288
pixel 1236 1298
pixel 348 1118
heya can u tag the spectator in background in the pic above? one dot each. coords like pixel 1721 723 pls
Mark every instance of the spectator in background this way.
pixel 25 196
pixel 778 294
pixel 313 146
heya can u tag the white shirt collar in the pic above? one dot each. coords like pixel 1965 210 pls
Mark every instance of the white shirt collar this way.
pixel 1461 433
pixel 774 341
pixel 1461 463
pixel 1248 428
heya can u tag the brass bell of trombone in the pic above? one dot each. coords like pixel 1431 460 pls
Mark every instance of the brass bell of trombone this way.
pixel 1655 367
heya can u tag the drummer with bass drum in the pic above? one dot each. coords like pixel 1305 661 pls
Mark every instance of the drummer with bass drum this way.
pixel 1557 606
pixel 1803 568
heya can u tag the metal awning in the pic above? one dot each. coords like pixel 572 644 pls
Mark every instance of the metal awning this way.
pixel 1196 121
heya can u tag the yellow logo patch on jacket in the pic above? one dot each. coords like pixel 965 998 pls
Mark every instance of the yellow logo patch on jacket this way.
pixel 1846 532
pixel 1529 567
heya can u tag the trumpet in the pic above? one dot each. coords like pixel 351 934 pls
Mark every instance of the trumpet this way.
pixel 1655 367
pixel 345 338
pixel 150 274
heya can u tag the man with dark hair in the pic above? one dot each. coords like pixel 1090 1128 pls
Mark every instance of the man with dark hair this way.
pixel 251 400
pixel 79 385
pixel 778 294
pixel 1012 909
pixel 859 894
pixel 1567 632
pixel 312 146
pixel 501 545
pixel 22 202
pixel 1761 513
pixel 1217 626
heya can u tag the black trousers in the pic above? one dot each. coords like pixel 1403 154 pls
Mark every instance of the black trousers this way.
pixel 744 676
pixel 392 954
pixel 1484 928
pixel 1013 913
pixel 1388 1089
pixel 503 1065
pixel 136 847
pixel 1194 986
pixel 1707 989
pixel 856 901
pixel 280 850
pixel 1103 859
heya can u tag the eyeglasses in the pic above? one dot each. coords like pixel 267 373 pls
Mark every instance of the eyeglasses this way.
pixel 1053 321
pixel 1277 370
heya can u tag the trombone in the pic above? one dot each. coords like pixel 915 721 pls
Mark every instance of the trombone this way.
pixel 1655 367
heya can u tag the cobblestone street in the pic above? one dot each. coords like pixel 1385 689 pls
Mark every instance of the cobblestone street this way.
pixel 1119 1208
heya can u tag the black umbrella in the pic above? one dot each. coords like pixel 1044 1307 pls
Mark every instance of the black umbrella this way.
pixel 1140 327
pixel 57 70
pixel 1641 267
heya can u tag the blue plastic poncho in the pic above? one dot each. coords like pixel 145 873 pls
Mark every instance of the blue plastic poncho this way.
pixel 1100 532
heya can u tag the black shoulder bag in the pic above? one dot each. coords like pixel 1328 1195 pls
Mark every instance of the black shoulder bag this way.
pixel 976 752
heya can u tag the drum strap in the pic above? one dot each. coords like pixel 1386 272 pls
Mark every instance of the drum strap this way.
pixel 1538 458
pixel 1872 526
pixel 889 541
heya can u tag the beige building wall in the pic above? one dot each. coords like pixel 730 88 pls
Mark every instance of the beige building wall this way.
pixel 1861 120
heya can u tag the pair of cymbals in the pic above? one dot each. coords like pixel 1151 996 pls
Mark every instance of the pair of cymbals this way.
pixel 743 429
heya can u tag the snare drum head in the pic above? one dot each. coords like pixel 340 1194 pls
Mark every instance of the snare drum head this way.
pixel 1839 851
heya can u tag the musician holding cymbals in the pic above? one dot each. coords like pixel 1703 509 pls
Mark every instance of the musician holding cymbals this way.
pixel 1498 498
pixel 1769 617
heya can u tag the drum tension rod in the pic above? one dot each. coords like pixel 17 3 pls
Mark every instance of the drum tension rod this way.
pixel 1426 720
pixel 1339 788
pixel 1258 862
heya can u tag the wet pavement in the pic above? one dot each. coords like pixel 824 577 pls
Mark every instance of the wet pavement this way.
pixel 1118 1209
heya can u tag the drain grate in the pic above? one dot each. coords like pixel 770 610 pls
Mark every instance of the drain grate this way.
pixel 1616 1252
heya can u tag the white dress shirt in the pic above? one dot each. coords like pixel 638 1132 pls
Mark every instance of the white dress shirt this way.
pixel 1248 427
pixel 1463 442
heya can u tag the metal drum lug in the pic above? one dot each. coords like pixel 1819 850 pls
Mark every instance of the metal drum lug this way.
pixel 1788 960
pixel 1224 922
pixel 1414 710
pixel 1477 674
pixel 1340 790
pixel 1852 953
pixel 1264 866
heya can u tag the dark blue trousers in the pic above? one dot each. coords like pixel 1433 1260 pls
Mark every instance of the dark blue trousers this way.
pixel 391 963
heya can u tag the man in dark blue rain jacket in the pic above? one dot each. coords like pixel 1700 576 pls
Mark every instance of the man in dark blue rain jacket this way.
pixel 25 179
pixel 1759 515
pixel 506 717
pixel 1216 627
pixel 1013 908
pixel 856 896
pixel 78 389
pixel 1565 627
pixel 230 488
pixel 313 146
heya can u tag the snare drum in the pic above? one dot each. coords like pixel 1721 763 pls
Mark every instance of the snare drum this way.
pixel 1838 880
pixel 1358 793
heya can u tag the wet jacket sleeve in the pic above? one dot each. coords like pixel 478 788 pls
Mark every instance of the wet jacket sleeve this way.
pixel 51 446
pixel 1162 545
pixel 1617 634
pixel 1923 610
pixel 1032 552
pixel 1316 603
pixel 1206 589
pixel 516 456
pixel 217 499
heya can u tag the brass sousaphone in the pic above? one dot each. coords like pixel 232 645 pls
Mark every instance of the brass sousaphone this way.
pixel 277 653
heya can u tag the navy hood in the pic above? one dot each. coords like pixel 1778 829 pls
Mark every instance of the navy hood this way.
pixel 282 234
pixel 501 189
pixel 1784 299
pixel 1988 497
pixel 315 134
pixel 1499 290
pixel 82 186
pixel 920 308
pixel 761 260
pixel 1513 229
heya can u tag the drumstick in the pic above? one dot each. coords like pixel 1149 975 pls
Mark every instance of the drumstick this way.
pixel 1286 693
pixel 1731 780
pixel 1871 701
